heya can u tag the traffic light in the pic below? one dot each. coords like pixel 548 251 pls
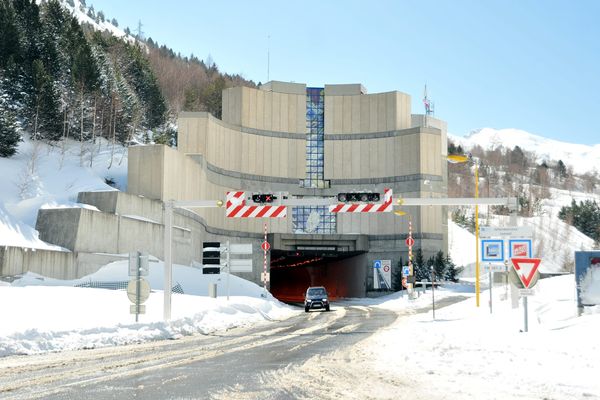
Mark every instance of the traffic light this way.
pixel 355 197
pixel 263 197
pixel 211 257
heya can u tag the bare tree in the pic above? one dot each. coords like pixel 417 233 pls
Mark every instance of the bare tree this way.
pixel 26 180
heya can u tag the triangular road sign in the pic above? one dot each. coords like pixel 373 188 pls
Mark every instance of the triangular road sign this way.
pixel 526 269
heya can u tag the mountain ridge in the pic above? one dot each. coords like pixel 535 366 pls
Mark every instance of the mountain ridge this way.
pixel 582 158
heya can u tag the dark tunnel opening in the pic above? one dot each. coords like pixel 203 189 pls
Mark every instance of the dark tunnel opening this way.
pixel 343 274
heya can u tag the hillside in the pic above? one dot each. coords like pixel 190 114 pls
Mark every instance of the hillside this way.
pixel 66 71
pixel 46 176
pixel 582 158
pixel 187 83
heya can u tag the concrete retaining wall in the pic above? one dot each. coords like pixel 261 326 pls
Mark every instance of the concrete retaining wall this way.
pixel 62 265
pixel 55 264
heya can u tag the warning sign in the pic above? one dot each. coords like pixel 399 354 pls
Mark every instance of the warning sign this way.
pixel 526 269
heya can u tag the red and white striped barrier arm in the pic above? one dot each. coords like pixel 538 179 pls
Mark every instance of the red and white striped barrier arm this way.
pixel 386 206
pixel 237 208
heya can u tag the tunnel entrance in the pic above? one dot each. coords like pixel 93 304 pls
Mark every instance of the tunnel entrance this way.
pixel 342 273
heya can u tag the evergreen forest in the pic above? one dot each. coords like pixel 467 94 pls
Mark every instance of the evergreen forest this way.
pixel 63 79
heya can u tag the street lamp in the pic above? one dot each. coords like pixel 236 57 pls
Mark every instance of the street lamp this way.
pixel 457 159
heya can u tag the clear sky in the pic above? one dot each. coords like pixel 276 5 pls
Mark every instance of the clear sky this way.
pixel 531 65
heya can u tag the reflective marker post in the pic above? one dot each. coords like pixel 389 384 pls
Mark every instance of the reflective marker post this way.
pixel 168 221
pixel 228 266
pixel 491 277
pixel 525 309
pixel 433 290
pixel 168 207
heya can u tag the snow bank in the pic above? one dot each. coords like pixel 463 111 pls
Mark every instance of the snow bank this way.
pixel 468 353
pixel 52 315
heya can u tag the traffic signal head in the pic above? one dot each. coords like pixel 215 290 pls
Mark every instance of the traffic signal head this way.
pixel 263 198
pixel 211 253
pixel 355 197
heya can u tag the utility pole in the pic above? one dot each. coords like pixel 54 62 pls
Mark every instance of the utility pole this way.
pixel 140 33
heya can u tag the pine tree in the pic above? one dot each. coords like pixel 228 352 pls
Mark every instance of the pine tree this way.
pixel 44 105
pixel 439 265
pixel 420 267
pixel 452 272
pixel 9 34
pixel 192 100
pixel 397 276
pixel 9 132
pixel 213 94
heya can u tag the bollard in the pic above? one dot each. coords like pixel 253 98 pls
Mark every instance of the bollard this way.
pixel 212 290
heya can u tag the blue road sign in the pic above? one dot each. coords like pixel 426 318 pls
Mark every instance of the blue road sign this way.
pixel 492 250
pixel 377 264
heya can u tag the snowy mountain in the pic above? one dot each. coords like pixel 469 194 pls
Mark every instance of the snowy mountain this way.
pixel 83 14
pixel 582 158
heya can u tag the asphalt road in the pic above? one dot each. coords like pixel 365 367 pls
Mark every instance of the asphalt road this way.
pixel 196 367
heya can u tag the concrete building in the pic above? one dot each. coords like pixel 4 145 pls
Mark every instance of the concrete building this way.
pixel 308 142
pixel 282 137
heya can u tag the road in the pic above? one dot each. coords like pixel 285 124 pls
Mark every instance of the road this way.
pixel 276 360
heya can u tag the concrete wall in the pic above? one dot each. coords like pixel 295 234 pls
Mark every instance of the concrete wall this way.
pixel 368 113
pixel 124 204
pixel 262 153
pixel 267 110
pixel 121 229
pixel 98 232
pixel 49 263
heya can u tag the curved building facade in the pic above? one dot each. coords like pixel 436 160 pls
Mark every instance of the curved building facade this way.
pixel 308 142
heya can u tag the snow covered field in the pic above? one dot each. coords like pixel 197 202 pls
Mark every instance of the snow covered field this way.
pixel 467 353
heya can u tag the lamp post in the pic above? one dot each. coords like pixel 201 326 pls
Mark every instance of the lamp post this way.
pixel 477 287
pixel 456 159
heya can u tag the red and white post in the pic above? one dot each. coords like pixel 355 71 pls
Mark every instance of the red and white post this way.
pixel 410 264
pixel 265 248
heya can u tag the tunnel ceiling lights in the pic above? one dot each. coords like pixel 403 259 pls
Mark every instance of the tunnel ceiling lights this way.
pixel 312 260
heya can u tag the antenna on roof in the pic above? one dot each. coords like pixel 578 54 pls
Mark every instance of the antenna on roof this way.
pixel 268 56
pixel 429 106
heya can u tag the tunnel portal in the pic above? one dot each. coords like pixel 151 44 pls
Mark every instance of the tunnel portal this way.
pixel 341 273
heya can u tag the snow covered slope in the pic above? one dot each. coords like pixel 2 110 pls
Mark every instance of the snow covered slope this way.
pixel 40 175
pixel 581 157
pixel 553 240
pixel 81 13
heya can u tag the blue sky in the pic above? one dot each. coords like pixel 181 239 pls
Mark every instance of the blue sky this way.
pixel 531 65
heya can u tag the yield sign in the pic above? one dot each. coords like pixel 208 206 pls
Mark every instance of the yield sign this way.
pixel 526 268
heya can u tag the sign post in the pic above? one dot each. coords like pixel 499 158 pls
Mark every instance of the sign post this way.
pixel 500 243
pixel 138 288
pixel 266 247
pixel 526 270
pixel 410 242
pixel 433 290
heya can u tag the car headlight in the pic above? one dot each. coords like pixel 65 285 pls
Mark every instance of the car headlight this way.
pixel 325 300
pixel 308 301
